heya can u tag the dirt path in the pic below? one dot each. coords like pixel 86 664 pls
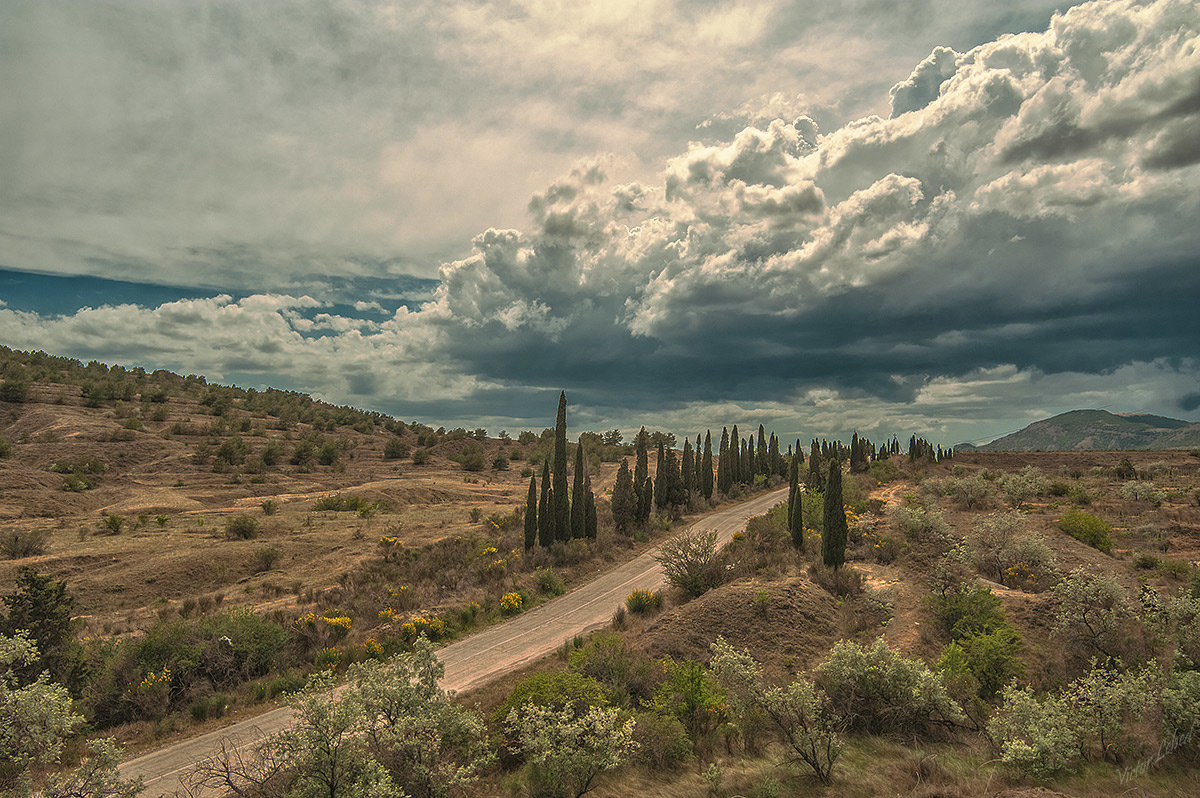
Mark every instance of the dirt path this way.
pixel 471 662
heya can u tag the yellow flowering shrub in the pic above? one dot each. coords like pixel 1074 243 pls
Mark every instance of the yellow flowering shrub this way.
pixel 511 603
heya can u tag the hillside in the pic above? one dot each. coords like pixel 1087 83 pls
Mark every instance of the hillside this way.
pixel 1082 430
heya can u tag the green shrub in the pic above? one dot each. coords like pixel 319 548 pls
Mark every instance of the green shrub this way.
pixel 972 491
pixel 641 602
pixel 917 523
pixel 264 559
pixel 1141 491
pixel 420 457
pixel 883 471
pixel 351 503
pixel 5 449
pixel 79 465
pixel 271 453
pixel 549 583
pixel 878 690
pixel 691 693
pixel 1008 554
pixel 395 449
pixel 328 453
pixel 76 483
pixel 471 458
pixel 269 506
pixel 971 609
pixel 210 706
pixel 500 463
pixel 242 527
pixel 554 690
pixel 630 677
pixel 1088 529
pixel 663 743
pixel 232 451
pixel 691 561
pixel 112 523
pixel 240 645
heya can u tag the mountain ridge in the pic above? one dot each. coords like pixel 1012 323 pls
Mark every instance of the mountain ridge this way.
pixel 1086 430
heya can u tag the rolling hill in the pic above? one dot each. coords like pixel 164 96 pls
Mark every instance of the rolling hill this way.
pixel 1081 430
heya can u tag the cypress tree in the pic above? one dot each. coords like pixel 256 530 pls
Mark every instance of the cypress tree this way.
pixel 723 480
pixel 816 477
pixel 673 482
pixel 748 460
pixel 624 500
pixel 799 452
pixel 591 524
pixel 578 510
pixel 795 507
pixel 687 470
pixel 531 515
pixel 641 476
pixel 660 479
pixel 761 463
pixel 546 534
pixel 833 538
pixel 735 456
pixel 562 499
pixel 706 468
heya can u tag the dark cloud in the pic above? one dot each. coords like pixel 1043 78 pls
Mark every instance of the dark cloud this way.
pixel 1019 232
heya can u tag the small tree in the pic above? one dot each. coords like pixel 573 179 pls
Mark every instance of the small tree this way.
pixel 567 751
pixel 798 711
pixel 691 561
pixel 35 720
pixel 42 608
pixel 795 515
pixel 531 514
pixel 836 530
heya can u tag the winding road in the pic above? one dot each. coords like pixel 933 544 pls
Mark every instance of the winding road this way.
pixel 470 662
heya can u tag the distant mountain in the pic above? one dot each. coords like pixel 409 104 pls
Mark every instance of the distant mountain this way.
pixel 1098 429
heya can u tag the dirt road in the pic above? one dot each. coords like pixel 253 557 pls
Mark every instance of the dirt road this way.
pixel 475 660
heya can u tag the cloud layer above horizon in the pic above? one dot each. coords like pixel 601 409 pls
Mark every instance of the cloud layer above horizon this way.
pixel 1014 234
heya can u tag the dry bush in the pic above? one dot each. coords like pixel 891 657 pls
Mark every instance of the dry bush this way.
pixel 18 543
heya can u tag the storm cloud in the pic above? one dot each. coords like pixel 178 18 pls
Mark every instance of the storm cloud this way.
pixel 1013 234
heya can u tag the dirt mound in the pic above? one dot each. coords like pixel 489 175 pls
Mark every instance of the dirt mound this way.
pixel 785 624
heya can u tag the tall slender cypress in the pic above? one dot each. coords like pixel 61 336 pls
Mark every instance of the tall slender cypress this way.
pixel 641 476
pixel 706 467
pixel 723 480
pixel 795 506
pixel 546 534
pixel 833 537
pixel 761 463
pixel 591 524
pixel 735 456
pixel 660 479
pixel 578 509
pixel 816 478
pixel 562 498
pixel 687 469
pixel 624 500
pixel 531 514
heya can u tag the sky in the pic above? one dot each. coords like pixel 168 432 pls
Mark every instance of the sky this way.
pixel 942 217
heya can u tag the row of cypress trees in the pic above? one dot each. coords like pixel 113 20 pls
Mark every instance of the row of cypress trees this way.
pixel 559 514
